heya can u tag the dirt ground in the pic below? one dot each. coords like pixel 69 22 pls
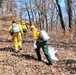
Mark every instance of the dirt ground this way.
pixel 25 62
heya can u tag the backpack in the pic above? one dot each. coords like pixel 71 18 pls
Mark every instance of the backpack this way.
pixel 24 28
pixel 44 35
pixel 15 28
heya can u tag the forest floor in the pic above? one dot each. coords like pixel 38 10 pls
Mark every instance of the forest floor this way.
pixel 25 62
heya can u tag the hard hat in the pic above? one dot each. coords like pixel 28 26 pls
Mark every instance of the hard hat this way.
pixel 33 27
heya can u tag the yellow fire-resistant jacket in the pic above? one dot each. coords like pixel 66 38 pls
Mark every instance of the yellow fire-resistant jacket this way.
pixel 10 28
pixel 35 34
pixel 24 28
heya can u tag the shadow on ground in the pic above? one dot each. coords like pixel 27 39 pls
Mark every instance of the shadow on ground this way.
pixel 68 65
pixel 27 56
pixel 7 49
pixel 5 40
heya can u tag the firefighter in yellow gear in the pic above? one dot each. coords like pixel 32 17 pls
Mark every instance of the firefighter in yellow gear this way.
pixel 40 43
pixel 35 32
pixel 24 28
pixel 16 30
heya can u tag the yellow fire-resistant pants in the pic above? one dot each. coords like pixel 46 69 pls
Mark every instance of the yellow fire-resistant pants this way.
pixel 17 40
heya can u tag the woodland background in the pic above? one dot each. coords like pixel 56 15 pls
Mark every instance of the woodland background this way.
pixel 57 18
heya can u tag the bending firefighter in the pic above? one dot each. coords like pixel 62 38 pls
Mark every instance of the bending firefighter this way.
pixel 40 43
pixel 16 30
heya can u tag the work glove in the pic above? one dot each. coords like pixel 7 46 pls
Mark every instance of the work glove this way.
pixel 35 46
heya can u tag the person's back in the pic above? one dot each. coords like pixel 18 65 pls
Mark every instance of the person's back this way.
pixel 15 28
pixel 16 31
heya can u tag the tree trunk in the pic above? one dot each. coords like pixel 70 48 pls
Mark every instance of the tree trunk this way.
pixel 60 15
pixel 69 2
pixel 29 16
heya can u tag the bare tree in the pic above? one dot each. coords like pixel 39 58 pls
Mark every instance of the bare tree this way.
pixel 69 6
pixel 60 15
pixel 28 12
pixel 45 13
pixel 37 4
